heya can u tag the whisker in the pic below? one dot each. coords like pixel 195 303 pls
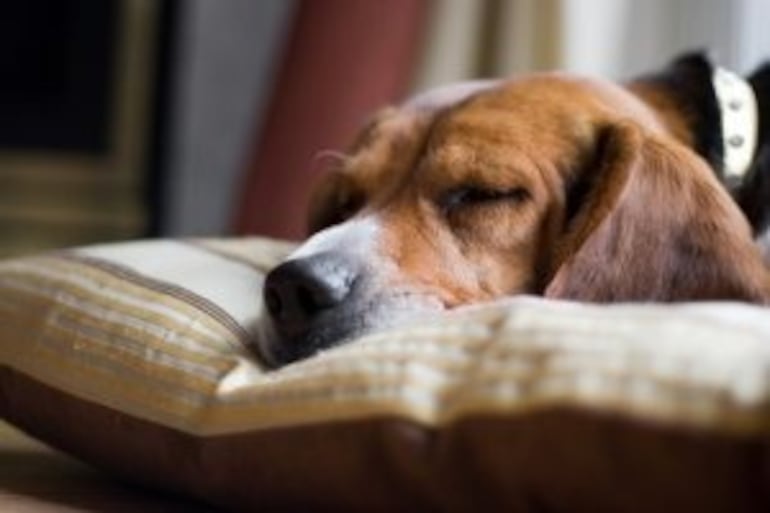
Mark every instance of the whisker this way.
pixel 335 157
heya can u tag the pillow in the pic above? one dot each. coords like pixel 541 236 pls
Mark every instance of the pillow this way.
pixel 132 357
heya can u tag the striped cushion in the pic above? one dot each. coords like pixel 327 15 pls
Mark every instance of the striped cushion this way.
pixel 132 356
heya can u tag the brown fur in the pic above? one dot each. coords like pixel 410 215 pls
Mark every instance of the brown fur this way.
pixel 617 207
pixel 657 227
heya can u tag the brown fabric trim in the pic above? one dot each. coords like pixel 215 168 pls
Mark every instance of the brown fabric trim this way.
pixel 200 303
pixel 559 460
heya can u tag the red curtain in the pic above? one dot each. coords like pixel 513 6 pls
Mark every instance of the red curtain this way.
pixel 344 59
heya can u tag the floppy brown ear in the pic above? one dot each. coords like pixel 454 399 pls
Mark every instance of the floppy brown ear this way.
pixel 654 224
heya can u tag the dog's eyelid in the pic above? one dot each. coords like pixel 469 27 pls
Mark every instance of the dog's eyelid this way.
pixel 467 195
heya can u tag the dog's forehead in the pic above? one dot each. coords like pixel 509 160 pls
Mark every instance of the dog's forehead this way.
pixel 547 116
pixel 416 112
pixel 395 132
pixel 449 95
pixel 390 148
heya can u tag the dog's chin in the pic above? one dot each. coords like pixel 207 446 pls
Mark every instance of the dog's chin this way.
pixel 264 341
pixel 276 349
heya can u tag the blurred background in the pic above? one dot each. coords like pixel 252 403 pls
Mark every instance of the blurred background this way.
pixel 140 118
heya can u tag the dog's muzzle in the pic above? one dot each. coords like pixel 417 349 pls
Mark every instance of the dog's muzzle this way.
pixel 335 287
pixel 311 303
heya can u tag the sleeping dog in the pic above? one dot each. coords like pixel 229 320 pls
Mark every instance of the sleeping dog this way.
pixel 546 184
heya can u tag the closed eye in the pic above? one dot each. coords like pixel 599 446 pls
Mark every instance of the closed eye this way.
pixel 473 196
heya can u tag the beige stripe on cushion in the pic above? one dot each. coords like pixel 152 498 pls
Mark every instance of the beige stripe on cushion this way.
pixel 70 346
pixel 220 316
pixel 100 290
pixel 234 287
pixel 130 337
pixel 101 336
pixel 678 364
pixel 108 337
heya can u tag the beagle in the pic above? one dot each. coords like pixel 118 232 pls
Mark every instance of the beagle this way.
pixel 548 184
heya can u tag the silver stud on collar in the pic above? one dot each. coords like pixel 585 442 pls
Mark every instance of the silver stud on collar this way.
pixel 738 108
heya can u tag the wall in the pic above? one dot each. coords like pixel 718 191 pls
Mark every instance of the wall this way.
pixel 226 54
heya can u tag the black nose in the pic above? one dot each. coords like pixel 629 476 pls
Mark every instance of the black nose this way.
pixel 298 291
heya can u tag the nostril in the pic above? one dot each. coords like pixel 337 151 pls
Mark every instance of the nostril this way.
pixel 309 300
pixel 273 301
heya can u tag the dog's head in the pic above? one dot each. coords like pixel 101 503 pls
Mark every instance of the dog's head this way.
pixel 548 184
